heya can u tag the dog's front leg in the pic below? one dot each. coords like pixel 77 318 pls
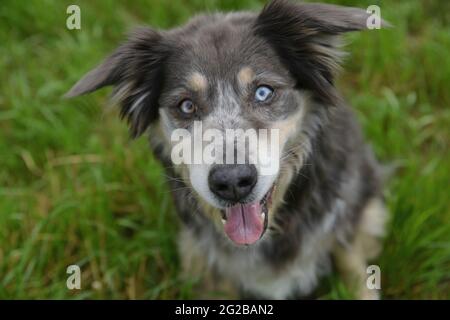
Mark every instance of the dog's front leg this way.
pixel 352 259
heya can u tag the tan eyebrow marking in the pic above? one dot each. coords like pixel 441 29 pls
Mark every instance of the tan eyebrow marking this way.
pixel 245 76
pixel 197 81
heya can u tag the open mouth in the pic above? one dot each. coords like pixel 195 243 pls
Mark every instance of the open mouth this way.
pixel 245 223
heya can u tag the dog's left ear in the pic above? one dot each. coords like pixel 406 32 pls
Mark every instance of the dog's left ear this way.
pixel 305 36
pixel 135 70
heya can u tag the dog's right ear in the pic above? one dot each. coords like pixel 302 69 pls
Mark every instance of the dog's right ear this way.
pixel 135 70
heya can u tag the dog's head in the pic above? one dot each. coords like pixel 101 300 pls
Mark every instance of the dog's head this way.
pixel 237 71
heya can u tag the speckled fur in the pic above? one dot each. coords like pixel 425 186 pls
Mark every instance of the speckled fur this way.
pixel 328 200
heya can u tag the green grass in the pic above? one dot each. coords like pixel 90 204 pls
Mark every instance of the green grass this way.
pixel 74 189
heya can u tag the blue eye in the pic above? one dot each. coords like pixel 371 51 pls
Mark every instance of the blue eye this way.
pixel 263 93
pixel 187 106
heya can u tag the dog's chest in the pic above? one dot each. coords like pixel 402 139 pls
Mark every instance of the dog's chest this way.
pixel 255 274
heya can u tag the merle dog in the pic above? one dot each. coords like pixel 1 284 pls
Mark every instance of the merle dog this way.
pixel 273 235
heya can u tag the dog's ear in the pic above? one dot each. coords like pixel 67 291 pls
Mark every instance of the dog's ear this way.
pixel 135 70
pixel 305 36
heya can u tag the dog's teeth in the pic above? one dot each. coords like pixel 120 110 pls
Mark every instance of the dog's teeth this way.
pixel 224 221
pixel 263 216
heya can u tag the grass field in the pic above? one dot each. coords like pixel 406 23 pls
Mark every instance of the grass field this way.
pixel 74 189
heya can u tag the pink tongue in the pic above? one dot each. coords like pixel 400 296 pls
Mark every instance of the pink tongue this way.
pixel 244 223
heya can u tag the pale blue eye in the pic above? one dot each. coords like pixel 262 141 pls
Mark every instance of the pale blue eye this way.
pixel 263 93
pixel 187 106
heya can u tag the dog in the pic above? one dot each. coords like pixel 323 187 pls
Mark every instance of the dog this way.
pixel 271 236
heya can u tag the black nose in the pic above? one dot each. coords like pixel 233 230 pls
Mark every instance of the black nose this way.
pixel 232 182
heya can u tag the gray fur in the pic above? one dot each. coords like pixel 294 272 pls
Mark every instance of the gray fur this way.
pixel 328 174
